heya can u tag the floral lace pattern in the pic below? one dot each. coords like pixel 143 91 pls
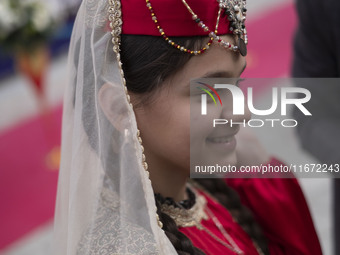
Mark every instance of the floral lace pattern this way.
pixel 108 237
pixel 96 15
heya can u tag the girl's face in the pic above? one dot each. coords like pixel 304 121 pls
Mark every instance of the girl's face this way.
pixel 165 122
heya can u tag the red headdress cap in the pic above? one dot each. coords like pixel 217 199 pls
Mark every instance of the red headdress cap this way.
pixel 173 17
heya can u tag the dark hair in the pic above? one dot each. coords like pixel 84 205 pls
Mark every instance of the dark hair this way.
pixel 147 61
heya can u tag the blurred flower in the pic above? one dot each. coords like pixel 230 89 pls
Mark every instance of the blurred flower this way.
pixel 25 23
pixel 41 17
pixel 8 18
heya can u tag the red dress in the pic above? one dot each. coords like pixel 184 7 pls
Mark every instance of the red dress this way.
pixel 278 206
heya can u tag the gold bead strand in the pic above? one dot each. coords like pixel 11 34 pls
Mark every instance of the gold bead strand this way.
pixel 168 40
pixel 212 34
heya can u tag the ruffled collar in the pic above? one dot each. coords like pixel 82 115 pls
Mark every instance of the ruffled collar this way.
pixel 184 204
pixel 186 213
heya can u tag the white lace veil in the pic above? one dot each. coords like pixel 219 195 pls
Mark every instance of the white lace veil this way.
pixel 105 202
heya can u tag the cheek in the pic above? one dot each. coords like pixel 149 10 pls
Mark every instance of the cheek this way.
pixel 202 128
pixel 165 130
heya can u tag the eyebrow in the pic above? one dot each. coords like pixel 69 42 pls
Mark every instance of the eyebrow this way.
pixel 223 74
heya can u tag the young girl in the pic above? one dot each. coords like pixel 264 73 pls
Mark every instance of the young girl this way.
pixel 124 183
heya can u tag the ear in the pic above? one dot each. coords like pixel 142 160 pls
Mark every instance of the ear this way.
pixel 113 112
pixel 104 100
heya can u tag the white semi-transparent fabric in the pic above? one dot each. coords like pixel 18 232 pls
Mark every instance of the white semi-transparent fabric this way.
pixel 105 202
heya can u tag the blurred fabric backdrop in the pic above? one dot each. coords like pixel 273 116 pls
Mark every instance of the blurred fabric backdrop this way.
pixel 33 67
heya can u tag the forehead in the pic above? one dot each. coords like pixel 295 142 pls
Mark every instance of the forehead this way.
pixel 215 61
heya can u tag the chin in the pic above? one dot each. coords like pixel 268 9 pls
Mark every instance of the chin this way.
pixel 230 159
pixel 211 159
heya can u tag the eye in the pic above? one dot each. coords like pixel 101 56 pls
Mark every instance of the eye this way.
pixel 200 91
pixel 209 95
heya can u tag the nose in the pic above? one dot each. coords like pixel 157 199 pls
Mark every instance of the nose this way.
pixel 247 113
pixel 243 116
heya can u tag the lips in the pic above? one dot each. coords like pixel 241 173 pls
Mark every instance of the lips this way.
pixel 221 144
pixel 222 137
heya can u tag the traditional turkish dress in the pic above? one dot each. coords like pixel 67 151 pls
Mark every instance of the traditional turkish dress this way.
pixel 279 207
